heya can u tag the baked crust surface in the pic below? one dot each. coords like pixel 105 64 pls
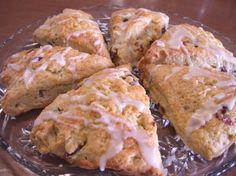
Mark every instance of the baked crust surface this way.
pixel 105 123
pixel 200 103
pixel 73 28
pixel 132 32
pixel 34 78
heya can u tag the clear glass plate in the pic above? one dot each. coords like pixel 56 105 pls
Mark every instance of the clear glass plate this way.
pixel 177 158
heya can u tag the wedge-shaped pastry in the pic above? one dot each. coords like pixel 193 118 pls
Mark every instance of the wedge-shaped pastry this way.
pixel 190 45
pixel 35 77
pixel 200 103
pixel 105 123
pixel 73 28
pixel 133 31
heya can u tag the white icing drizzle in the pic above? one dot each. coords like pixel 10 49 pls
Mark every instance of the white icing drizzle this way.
pixel 93 32
pixel 123 101
pixel 135 26
pixel 51 24
pixel 197 72
pixel 42 49
pixel 50 115
pixel 219 52
pixel 209 108
pixel 177 37
pixel 225 98
pixel 15 67
pixel 93 29
pixel 119 134
pixel 76 59
pixel 138 25
pixel 125 14
pixel 177 43
pixel 87 20
pixel 15 55
pixel 109 74
pixel 45 115
pixel 60 57
pixel 98 43
pixel 174 70
pixel 160 43
pixel 30 73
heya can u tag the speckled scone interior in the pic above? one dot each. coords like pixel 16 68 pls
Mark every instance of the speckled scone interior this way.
pixel 189 45
pixel 73 28
pixel 105 123
pixel 34 78
pixel 200 103
pixel 133 31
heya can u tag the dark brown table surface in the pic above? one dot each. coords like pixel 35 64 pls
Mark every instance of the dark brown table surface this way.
pixel 217 14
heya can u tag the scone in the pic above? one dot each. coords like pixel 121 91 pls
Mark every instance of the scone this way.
pixel 73 28
pixel 189 45
pixel 34 78
pixel 106 123
pixel 200 104
pixel 133 31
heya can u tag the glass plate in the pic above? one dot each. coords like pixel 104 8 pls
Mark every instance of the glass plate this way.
pixel 177 158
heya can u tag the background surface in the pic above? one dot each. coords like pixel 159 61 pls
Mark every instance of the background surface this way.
pixel 14 14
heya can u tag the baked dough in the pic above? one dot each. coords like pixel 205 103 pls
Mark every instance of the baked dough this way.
pixel 105 123
pixel 200 104
pixel 73 28
pixel 189 45
pixel 133 31
pixel 34 78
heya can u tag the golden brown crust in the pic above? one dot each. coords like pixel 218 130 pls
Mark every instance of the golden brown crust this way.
pixel 35 77
pixel 73 28
pixel 188 45
pixel 200 103
pixel 132 32
pixel 105 123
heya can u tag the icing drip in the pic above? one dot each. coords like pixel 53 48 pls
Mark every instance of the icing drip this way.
pixel 119 128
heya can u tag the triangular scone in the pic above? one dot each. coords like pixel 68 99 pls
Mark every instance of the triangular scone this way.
pixel 133 31
pixel 200 103
pixel 73 28
pixel 189 45
pixel 35 77
pixel 105 123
